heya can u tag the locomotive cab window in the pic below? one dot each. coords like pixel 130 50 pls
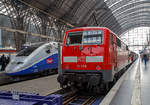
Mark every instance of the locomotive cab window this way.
pixel 85 37
pixel 93 37
pixel 74 38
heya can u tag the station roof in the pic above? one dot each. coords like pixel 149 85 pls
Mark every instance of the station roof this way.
pixel 118 15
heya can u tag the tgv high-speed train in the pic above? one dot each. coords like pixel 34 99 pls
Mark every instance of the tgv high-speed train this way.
pixel 34 59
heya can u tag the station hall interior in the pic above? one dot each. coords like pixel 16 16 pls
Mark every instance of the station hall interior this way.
pixel 74 52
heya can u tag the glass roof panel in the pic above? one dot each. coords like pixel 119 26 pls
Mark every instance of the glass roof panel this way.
pixel 137 38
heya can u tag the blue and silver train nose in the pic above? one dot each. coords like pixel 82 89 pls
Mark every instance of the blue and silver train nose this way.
pixel 14 66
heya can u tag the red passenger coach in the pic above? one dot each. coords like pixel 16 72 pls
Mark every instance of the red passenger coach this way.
pixel 91 57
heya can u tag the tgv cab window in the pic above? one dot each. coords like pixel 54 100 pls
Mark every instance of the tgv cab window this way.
pixel 26 51
pixel 93 37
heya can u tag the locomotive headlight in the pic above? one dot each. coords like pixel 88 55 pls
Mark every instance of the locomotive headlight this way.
pixel 98 67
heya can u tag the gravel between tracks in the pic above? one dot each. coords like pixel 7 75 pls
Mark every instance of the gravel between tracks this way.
pixel 43 85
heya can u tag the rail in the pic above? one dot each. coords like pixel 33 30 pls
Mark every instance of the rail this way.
pixel 78 99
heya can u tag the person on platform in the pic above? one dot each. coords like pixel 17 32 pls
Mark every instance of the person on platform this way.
pixel 3 62
pixel 145 59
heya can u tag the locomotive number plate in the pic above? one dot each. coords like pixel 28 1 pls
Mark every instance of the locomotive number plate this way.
pixel 82 66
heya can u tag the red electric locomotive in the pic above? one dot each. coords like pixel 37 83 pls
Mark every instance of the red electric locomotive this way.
pixel 91 57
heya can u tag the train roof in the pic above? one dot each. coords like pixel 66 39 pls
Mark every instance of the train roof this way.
pixel 84 28
pixel 41 43
pixel 37 44
pixel 88 28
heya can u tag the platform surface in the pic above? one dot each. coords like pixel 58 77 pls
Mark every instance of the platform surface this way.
pixel 128 90
pixel 145 83
pixel 124 95
pixel 43 86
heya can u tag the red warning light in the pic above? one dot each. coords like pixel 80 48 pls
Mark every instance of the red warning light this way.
pixel 98 68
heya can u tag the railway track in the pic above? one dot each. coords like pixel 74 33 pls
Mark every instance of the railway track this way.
pixel 78 99
pixel 75 97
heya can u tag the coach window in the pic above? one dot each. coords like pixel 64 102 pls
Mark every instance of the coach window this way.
pixel 111 38
pixel 74 38
pixel 93 37
pixel 118 42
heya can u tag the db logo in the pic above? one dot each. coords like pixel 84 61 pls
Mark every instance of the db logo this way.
pixel 49 60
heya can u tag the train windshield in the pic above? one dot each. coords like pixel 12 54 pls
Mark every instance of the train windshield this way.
pixel 74 38
pixel 26 51
pixel 85 37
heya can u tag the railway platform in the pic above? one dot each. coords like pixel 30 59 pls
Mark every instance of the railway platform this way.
pixel 132 88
